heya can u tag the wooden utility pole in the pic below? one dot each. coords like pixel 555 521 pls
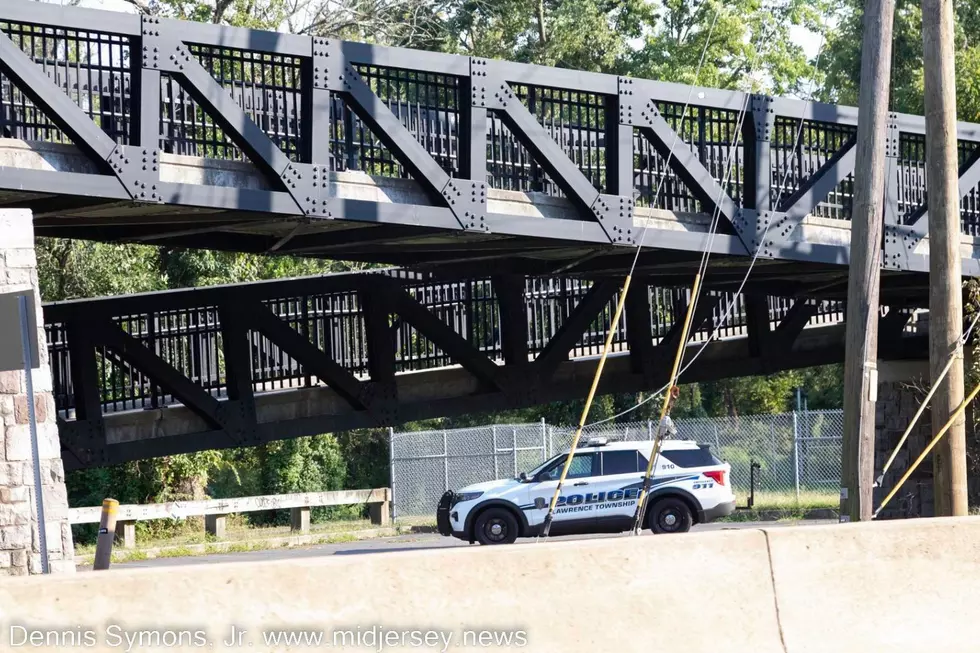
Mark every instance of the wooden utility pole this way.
pixel 945 275
pixel 861 344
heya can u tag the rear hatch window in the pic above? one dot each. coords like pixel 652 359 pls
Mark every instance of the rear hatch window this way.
pixel 700 457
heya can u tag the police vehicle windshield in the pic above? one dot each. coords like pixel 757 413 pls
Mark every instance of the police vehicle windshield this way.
pixel 534 472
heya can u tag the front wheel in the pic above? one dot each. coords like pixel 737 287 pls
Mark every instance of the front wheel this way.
pixel 670 515
pixel 495 526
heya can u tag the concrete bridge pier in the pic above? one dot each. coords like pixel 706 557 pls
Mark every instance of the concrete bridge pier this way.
pixel 20 552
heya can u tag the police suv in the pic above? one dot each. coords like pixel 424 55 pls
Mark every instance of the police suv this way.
pixel 689 486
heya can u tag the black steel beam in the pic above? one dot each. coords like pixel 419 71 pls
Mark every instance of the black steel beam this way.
pixel 307 354
pixel 757 322
pixel 691 171
pixel 891 326
pixel 237 349
pixel 58 205
pixel 132 352
pixel 224 36
pixel 85 379
pixel 472 134
pixel 390 130
pixel 639 333
pixel 53 101
pixel 757 139
pixel 664 352
pixel 792 324
pixel 379 334
pixel 572 328
pixel 357 237
pixel 821 183
pixel 509 290
pixel 438 332
pixel 74 184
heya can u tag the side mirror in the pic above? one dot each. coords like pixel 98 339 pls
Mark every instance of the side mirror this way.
pixel 523 476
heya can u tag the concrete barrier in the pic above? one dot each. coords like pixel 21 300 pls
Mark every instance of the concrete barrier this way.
pixel 911 586
pixel 660 594
pixel 899 586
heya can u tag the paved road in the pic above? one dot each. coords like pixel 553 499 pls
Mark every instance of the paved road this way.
pixel 398 543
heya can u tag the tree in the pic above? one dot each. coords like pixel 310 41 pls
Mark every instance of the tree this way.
pixel 583 34
pixel 843 57
pixel 69 269
pixel 750 46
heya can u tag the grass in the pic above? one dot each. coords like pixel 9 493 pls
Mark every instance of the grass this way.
pixel 786 504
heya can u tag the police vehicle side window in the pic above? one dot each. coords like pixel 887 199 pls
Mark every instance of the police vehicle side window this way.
pixel 700 457
pixel 620 462
pixel 581 466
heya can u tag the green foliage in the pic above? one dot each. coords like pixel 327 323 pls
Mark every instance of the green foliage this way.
pixel 75 268
pixel 842 57
pixel 750 47
pixel 310 464
pixel 366 455
pixel 183 268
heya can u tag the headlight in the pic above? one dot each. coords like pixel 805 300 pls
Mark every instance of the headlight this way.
pixel 466 496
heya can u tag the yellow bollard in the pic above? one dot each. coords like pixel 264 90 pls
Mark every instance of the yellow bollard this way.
pixel 107 533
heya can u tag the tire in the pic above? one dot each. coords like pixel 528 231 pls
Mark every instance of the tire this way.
pixel 495 526
pixel 670 515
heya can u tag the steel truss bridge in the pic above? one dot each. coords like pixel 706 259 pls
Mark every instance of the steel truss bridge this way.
pixel 123 128
pixel 141 129
pixel 227 366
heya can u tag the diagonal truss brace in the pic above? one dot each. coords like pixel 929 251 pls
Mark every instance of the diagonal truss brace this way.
pixel 614 213
pixel 216 414
pixel 137 169
pixel 901 240
pixel 466 199
pixel 638 109
pixel 771 232
pixel 169 54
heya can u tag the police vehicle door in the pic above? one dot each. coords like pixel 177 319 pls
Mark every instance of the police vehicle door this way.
pixel 571 513
pixel 616 488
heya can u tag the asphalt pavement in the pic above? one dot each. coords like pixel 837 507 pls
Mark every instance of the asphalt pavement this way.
pixel 403 543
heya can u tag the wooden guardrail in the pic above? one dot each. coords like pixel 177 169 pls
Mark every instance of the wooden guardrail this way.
pixel 216 511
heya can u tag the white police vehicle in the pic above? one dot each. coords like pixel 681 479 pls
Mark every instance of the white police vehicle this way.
pixel 689 486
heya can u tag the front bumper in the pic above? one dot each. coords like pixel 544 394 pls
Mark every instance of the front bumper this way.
pixel 719 511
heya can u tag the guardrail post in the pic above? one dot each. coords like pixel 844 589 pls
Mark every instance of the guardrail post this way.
pixel 299 519
pixel 107 532
pixel 380 511
pixel 126 534
pixel 215 526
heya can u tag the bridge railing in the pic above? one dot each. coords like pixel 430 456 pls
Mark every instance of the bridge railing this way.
pixel 190 338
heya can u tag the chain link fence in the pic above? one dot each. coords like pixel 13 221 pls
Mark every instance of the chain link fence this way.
pixel 798 454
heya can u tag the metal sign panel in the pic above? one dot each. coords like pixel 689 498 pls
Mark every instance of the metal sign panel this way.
pixel 11 343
